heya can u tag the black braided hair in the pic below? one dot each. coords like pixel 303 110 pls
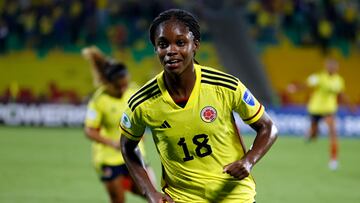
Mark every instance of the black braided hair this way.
pixel 180 15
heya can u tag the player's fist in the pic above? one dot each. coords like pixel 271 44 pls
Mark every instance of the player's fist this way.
pixel 238 169
pixel 158 197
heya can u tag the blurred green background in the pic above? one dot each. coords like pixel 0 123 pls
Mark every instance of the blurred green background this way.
pixel 53 165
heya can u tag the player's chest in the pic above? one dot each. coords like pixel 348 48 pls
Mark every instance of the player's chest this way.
pixel 202 116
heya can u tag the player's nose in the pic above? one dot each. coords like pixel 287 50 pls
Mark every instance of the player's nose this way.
pixel 172 50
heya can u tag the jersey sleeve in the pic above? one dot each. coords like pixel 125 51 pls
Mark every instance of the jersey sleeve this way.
pixel 248 107
pixel 338 85
pixel 132 124
pixel 342 85
pixel 93 116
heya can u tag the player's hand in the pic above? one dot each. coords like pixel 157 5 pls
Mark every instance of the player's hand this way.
pixel 158 197
pixel 239 169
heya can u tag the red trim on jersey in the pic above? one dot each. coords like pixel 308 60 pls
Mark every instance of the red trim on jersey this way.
pixel 258 111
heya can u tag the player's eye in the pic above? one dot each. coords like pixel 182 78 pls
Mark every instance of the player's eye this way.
pixel 180 43
pixel 162 44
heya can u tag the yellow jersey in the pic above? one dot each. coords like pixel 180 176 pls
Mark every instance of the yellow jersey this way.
pixel 323 100
pixel 195 142
pixel 103 113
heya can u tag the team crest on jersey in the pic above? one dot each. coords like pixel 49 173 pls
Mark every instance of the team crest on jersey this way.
pixel 249 98
pixel 125 121
pixel 208 114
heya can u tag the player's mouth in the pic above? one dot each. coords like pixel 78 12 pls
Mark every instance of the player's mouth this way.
pixel 172 63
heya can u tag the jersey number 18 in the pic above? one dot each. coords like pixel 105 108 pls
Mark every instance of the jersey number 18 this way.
pixel 201 142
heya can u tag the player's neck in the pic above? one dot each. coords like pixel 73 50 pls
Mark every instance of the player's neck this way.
pixel 114 93
pixel 181 85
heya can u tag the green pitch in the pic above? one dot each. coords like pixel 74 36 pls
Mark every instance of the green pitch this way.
pixel 53 165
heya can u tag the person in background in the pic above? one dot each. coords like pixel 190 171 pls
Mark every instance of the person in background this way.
pixel 101 123
pixel 327 87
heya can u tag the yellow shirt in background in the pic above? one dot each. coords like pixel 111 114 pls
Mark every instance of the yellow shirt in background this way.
pixel 323 100
pixel 104 113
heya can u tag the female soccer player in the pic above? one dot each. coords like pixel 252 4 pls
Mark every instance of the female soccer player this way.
pixel 327 86
pixel 101 123
pixel 189 110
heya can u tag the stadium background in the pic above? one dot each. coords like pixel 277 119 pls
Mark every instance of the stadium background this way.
pixel 44 86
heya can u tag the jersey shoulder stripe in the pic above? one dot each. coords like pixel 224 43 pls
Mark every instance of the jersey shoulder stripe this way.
pixel 219 73
pixel 142 89
pixel 97 94
pixel 148 91
pixel 218 78
pixel 218 84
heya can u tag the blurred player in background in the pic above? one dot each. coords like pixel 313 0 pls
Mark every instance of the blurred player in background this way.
pixel 101 124
pixel 327 87
pixel 188 108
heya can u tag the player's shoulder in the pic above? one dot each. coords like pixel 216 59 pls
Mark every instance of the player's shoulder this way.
pixel 214 77
pixel 339 77
pixel 96 96
pixel 148 91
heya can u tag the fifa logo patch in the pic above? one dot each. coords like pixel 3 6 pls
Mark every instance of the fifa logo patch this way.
pixel 125 121
pixel 249 98
pixel 208 114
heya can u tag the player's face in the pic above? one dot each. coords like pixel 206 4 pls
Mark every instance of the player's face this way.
pixel 119 86
pixel 175 46
pixel 332 66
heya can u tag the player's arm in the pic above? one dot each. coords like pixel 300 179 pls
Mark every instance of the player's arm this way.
pixel 266 134
pixel 253 114
pixel 138 173
pixel 311 82
pixel 93 124
pixel 94 135
pixel 296 87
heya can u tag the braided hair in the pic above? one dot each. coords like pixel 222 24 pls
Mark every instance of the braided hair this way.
pixel 180 15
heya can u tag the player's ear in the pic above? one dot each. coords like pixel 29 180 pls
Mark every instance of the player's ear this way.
pixel 197 44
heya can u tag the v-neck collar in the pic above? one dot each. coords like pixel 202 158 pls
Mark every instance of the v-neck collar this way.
pixel 194 93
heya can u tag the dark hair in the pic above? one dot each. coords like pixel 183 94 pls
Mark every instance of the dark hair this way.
pixel 177 14
pixel 114 70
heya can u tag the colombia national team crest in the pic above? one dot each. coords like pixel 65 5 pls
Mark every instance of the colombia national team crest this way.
pixel 208 114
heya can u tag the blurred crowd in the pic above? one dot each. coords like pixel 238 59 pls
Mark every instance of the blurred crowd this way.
pixel 68 25
pixel 324 23
pixel 45 24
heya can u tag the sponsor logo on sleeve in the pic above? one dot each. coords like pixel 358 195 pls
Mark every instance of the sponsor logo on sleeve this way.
pixel 125 121
pixel 248 98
